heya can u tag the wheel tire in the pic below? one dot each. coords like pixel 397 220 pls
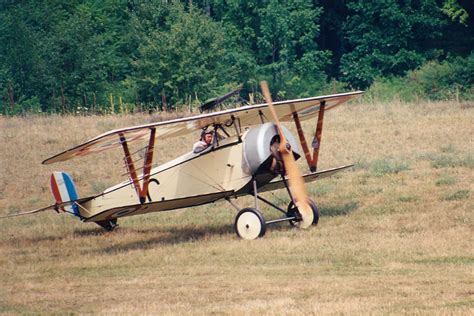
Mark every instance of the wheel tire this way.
pixel 249 224
pixel 292 212
pixel 315 209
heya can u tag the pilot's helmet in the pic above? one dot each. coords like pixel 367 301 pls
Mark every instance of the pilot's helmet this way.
pixel 205 132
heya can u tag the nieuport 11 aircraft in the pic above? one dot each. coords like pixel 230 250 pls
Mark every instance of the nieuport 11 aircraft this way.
pixel 251 152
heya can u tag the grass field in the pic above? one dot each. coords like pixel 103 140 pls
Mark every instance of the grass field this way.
pixel 395 236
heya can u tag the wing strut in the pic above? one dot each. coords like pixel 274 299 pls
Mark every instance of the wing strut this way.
pixel 142 191
pixel 312 161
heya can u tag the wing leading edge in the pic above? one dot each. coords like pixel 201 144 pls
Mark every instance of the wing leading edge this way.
pixel 245 115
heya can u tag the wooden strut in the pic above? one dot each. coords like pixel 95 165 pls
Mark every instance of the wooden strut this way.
pixel 317 137
pixel 237 128
pixel 142 191
pixel 312 161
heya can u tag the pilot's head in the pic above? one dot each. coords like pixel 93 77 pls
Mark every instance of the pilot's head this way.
pixel 206 136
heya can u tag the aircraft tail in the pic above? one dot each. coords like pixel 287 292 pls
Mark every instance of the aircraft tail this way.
pixel 64 190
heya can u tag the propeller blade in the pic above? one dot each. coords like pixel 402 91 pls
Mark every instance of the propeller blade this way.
pixel 295 179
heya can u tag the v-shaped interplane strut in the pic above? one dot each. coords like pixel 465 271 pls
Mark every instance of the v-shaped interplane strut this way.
pixel 142 190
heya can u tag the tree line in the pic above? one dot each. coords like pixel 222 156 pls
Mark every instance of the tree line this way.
pixel 66 56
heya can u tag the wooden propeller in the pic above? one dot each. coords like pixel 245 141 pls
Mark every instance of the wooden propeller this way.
pixel 295 179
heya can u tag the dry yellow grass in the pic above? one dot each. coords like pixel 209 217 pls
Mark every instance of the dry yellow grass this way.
pixel 395 235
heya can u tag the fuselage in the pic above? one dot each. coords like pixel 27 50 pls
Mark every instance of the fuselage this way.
pixel 224 170
pixel 206 176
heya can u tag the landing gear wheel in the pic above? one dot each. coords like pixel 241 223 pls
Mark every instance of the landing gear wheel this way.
pixel 249 224
pixel 293 212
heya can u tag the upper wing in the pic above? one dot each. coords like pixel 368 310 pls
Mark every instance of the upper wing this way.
pixel 246 115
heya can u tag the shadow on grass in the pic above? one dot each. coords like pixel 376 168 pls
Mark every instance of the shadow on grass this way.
pixel 25 241
pixel 92 231
pixel 150 237
pixel 126 238
pixel 171 236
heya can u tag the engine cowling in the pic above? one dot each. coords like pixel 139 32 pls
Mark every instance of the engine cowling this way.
pixel 258 153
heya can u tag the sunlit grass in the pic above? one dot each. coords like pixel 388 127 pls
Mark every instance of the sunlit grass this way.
pixel 395 234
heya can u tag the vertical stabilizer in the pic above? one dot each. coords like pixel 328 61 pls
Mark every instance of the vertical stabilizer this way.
pixel 64 190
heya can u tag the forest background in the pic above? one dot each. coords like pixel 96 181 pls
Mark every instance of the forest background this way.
pixel 69 56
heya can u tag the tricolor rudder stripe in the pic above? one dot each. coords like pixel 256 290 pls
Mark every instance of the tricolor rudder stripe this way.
pixel 64 190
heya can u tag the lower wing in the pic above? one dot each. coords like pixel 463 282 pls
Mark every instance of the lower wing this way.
pixel 309 177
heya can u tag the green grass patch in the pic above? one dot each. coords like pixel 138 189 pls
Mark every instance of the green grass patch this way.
pixel 338 210
pixel 387 166
pixel 382 167
pixel 321 188
pixel 467 303
pixel 446 260
pixel 444 161
pixel 446 180
pixel 467 161
pixel 457 196
pixel 408 230
pixel 374 190
pixel 448 159
pixel 408 198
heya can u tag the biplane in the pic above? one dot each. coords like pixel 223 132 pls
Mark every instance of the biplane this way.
pixel 251 152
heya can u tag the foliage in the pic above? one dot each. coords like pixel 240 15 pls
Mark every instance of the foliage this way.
pixel 450 79
pixel 388 38
pixel 185 56
pixel 57 56
pixel 454 10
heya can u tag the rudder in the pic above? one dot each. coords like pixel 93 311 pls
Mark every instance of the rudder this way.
pixel 64 190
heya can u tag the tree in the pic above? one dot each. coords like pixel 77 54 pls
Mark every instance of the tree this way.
pixel 184 59
pixel 388 38
pixel 281 39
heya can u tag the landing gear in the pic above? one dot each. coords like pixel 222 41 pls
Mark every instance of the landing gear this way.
pixel 108 225
pixel 293 212
pixel 250 224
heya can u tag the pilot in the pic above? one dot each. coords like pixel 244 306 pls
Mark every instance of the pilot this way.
pixel 204 143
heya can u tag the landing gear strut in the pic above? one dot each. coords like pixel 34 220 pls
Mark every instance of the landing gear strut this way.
pixel 250 223
pixel 108 225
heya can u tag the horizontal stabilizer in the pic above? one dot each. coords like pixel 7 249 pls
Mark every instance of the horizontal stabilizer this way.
pixel 51 207
pixel 55 207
